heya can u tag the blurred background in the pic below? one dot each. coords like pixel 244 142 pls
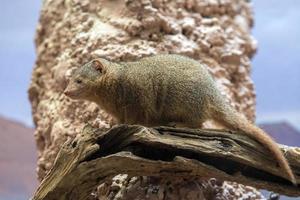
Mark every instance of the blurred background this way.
pixel 276 74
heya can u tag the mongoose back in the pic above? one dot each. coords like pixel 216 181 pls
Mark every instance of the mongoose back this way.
pixel 163 90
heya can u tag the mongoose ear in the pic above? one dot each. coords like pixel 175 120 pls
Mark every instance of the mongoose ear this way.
pixel 98 65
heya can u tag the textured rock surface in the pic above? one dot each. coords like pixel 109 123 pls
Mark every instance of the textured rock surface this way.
pixel 71 32
pixel 170 189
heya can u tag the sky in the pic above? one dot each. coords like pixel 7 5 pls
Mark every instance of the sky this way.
pixel 18 19
pixel 276 70
pixel 276 66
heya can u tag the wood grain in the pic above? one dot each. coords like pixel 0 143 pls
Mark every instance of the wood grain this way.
pixel 95 156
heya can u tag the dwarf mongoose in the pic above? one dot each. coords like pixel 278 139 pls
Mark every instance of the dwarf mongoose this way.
pixel 162 90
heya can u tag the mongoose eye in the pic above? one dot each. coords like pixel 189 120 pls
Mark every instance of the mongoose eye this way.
pixel 78 81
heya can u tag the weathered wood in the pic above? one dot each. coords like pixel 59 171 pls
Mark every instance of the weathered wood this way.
pixel 95 156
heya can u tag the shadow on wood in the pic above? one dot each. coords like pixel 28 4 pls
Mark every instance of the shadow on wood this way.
pixel 95 156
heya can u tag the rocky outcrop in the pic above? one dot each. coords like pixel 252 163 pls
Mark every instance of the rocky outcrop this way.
pixel 71 32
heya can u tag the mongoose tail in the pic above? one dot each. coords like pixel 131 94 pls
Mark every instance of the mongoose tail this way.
pixel 231 119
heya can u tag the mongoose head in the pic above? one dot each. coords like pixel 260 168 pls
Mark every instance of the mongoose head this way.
pixel 84 79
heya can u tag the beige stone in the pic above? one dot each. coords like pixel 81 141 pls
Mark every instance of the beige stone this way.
pixel 71 32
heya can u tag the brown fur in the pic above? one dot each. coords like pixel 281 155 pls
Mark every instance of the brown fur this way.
pixel 162 90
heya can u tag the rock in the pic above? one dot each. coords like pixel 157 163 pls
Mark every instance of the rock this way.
pixel 72 32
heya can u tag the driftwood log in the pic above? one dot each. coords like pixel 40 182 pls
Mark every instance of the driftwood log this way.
pixel 94 156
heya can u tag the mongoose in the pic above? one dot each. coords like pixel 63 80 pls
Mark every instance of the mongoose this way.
pixel 162 90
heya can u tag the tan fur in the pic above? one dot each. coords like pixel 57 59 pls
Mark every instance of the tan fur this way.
pixel 163 90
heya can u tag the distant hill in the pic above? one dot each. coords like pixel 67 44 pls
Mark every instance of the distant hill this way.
pixel 283 133
pixel 17 160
